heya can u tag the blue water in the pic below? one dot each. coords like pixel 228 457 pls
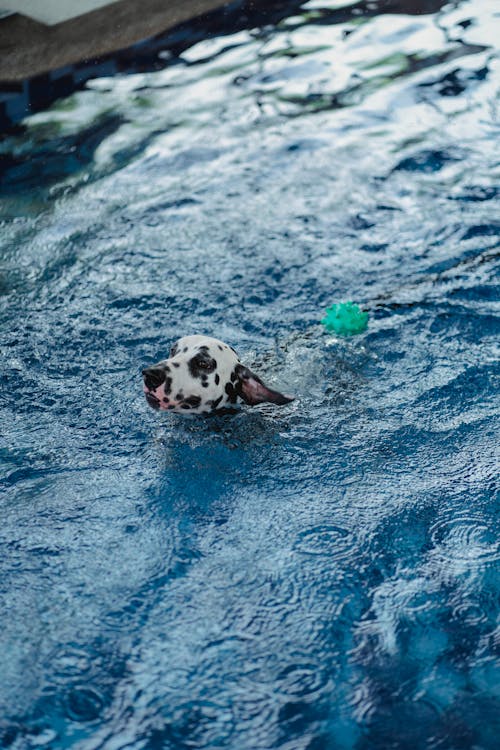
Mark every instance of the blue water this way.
pixel 321 576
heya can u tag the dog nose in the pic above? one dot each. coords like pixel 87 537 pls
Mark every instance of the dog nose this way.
pixel 153 377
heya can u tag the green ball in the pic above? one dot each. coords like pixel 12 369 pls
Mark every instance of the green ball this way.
pixel 346 319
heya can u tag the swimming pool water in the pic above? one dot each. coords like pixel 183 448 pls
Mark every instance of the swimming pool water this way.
pixel 321 576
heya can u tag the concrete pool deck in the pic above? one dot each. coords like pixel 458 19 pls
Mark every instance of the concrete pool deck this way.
pixel 41 62
pixel 29 48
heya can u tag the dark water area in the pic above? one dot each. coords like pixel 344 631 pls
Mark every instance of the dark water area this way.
pixel 319 576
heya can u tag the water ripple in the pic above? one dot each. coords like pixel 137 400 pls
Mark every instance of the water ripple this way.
pixel 303 681
pixel 467 542
pixel 333 541
pixel 83 704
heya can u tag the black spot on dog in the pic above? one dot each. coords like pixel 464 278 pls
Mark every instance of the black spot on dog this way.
pixel 217 380
pixel 152 400
pixel 185 406
pixel 231 393
pixel 234 376
pixel 176 364
pixel 174 350
pixel 168 385
pixel 215 402
pixel 220 347
pixel 180 396
pixel 185 349
pixel 193 401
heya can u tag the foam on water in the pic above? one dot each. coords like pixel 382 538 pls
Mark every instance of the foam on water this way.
pixel 316 576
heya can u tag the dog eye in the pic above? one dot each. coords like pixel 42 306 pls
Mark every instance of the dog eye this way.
pixel 202 363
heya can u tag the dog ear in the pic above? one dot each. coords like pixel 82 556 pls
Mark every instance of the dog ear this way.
pixel 253 391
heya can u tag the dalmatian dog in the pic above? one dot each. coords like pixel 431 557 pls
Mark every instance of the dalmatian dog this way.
pixel 203 375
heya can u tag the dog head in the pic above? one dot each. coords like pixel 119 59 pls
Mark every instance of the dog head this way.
pixel 203 375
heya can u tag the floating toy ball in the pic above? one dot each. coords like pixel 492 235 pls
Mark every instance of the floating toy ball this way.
pixel 346 319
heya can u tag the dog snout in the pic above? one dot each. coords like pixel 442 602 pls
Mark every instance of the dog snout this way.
pixel 153 377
